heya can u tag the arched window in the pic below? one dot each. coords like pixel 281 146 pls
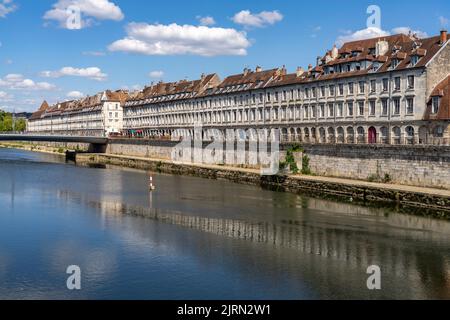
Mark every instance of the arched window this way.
pixel 396 135
pixel 350 135
pixel 331 135
pixel 340 135
pixel 361 135
pixel 409 131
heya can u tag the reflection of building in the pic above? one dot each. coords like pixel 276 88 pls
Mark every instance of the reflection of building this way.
pixel 98 115
pixel 391 89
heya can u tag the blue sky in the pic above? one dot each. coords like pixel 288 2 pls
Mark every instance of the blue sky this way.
pixel 130 43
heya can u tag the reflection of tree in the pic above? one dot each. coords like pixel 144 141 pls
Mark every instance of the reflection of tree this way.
pixel 433 272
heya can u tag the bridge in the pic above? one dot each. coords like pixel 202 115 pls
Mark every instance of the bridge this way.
pixel 96 144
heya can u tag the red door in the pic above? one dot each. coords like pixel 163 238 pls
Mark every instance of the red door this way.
pixel 372 135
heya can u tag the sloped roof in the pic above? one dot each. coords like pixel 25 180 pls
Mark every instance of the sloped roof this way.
pixel 442 90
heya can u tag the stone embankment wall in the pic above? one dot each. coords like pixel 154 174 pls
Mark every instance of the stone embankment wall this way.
pixel 422 166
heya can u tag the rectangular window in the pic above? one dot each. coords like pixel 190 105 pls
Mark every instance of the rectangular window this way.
pixel 268 96
pixel 373 86
pixel 362 86
pixel 341 89
pixel 322 111
pixel 410 105
pixel 435 104
pixel 313 112
pixel 411 82
pixel 350 109
pixel 397 83
pixel 306 112
pixel 340 109
pixel 314 92
pixel 350 88
pixel 322 91
pixel 276 95
pixel 331 90
pixel 396 106
pixel 372 107
pixel 384 107
pixel 307 93
pixel 331 110
pixel 284 96
pixel 361 108
pixel 385 84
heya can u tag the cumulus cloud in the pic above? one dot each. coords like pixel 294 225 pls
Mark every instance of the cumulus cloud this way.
pixel 407 30
pixel 258 20
pixel 90 10
pixel 373 32
pixel 15 81
pixel 93 73
pixel 177 39
pixel 206 21
pixel 156 74
pixel 5 96
pixel 75 94
pixel 367 33
pixel 6 7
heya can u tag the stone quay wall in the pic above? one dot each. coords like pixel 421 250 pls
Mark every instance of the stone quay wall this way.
pixel 422 166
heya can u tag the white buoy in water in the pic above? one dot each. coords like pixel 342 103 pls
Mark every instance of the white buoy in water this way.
pixel 151 186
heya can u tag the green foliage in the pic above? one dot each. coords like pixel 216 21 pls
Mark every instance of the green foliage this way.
pixel 290 159
pixel 6 123
pixel 306 170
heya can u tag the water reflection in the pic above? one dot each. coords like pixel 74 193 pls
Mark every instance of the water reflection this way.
pixel 196 238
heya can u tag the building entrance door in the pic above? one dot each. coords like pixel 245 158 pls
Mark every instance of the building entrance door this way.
pixel 372 135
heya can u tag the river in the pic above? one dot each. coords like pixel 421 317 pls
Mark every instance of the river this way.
pixel 194 238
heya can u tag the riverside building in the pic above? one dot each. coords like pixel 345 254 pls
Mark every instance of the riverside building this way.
pixel 385 90
pixel 98 115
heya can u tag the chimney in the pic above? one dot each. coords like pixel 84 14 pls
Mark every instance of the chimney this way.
pixel 299 72
pixel 319 58
pixel 246 71
pixel 258 69
pixel 309 67
pixel 443 36
pixel 203 76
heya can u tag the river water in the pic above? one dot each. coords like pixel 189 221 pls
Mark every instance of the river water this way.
pixel 194 238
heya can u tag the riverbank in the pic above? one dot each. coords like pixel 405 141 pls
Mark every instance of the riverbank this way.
pixel 407 199
pixel 34 147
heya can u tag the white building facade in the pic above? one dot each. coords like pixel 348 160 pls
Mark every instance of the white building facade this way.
pixel 381 90
pixel 99 115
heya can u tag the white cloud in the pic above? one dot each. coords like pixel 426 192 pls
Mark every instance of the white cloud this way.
pixel 259 20
pixel 89 10
pixel 443 21
pixel 156 74
pixel 75 94
pixel 6 7
pixel 206 21
pixel 373 32
pixel 5 96
pixel 19 82
pixel 93 73
pixel 368 33
pixel 407 30
pixel 175 39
